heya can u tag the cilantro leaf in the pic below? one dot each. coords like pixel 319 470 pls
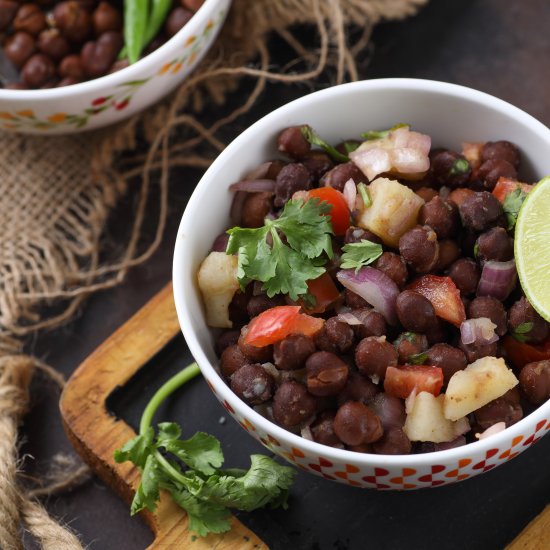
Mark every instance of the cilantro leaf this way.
pixel 204 517
pixel 136 450
pixel 202 452
pixel 380 134
pixel 285 267
pixel 147 494
pixel 357 255
pixel 511 205
pixel 309 133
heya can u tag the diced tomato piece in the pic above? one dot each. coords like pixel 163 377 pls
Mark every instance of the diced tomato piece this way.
pixel 278 322
pixel 306 325
pixel 340 212
pixel 505 186
pixel 520 353
pixel 460 194
pixel 324 291
pixel 401 381
pixel 444 296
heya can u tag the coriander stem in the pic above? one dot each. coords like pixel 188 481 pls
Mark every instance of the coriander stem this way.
pixel 170 470
pixel 169 387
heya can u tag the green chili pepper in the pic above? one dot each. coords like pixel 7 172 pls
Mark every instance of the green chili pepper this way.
pixel 159 11
pixel 136 15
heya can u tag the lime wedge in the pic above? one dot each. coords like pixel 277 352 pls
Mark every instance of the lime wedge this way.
pixel 532 247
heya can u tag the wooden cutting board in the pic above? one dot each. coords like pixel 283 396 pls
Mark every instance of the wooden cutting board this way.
pixel 96 434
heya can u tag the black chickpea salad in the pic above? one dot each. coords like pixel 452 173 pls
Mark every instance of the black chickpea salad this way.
pixel 366 295
pixel 53 43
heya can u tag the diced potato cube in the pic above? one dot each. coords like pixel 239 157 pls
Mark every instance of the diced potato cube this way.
pixel 426 422
pixel 218 283
pixel 479 383
pixel 393 210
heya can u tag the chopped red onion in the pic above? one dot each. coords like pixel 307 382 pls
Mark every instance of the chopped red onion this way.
pixel 350 193
pixel 494 429
pixel 498 279
pixel 260 172
pixel 402 151
pixel 254 186
pixel 371 161
pixel 480 331
pixel 373 286
pixel 305 432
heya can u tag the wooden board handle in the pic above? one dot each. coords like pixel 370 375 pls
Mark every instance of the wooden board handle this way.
pixel 96 434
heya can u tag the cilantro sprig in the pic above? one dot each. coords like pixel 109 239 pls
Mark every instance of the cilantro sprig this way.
pixel 511 205
pixel 312 137
pixel 285 266
pixel 201 488
pixel 357 255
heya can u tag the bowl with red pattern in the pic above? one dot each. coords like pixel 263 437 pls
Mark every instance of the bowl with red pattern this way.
pixel 118 95
pixel 450 114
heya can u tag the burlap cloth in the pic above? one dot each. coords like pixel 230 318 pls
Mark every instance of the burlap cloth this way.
pixel 56 194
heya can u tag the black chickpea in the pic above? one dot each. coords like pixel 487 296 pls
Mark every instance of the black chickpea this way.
pixel 487 306
pixel 442 216
pixel 534 379
pixel 253 384
pixel 292 352
pixel 292 404
pixel 415 312
pixel 447 358
pixel 292 177
pixel 465 274
pixel 495 245
pixel 522 314
pixel 394 266
pixel 326 374
pixel 356 424
pixel 340 174
pixel 419 248
pixel 373 355
pixel 450 168
pixel 292 142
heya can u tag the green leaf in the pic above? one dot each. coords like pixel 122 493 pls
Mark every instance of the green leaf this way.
pixel 285 267
pixel 202 452
pixel 511 205
pixel 380 134
pixel 418 358
pixel 266 482
pixel 137 450
pixel 357 255
pixel 204 517
pixel 314 139
pixel 147 494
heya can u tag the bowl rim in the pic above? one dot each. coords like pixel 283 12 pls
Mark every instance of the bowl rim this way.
pixel 132 72
pixel 223 390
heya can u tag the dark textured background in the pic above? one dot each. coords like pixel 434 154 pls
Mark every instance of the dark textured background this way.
pixel 497 46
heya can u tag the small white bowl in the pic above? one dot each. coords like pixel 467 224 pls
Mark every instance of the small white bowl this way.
pixel 116 96
pixel 450 114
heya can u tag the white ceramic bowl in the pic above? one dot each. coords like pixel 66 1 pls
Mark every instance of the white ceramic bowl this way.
pixel 116 96
pixel 450 114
